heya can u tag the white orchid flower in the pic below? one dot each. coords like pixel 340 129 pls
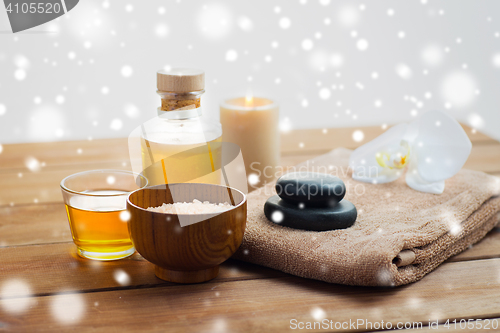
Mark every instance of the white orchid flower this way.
pixel 432 148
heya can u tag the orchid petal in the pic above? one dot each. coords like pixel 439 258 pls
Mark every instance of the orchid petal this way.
pixel 363 160
pixel 441 148
pixel 416 182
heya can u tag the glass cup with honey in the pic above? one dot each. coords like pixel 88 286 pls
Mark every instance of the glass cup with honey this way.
pixel 96 206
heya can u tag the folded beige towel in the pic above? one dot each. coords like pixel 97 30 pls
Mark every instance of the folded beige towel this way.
pixel 400 234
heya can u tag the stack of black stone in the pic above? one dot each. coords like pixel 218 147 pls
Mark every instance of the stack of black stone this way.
pixel 310 201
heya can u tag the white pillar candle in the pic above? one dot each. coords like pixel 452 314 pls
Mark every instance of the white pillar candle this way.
pixel 252 123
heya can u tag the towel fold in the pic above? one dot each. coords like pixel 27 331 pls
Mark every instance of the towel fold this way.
pixel 400 234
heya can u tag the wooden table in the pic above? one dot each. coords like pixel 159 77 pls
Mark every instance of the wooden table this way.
pixel 44 286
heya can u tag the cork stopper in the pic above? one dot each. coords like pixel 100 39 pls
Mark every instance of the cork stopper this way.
pixel 180 80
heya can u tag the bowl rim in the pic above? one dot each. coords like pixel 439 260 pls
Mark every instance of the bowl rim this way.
pixel 149 187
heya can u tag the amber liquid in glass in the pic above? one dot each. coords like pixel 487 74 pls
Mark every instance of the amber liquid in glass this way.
pixel 182 163
pixel 100 232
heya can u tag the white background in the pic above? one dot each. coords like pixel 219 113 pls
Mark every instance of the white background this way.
pixel 91 73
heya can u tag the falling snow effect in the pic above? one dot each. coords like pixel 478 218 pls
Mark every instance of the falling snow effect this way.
pixel 131 111
pixel 125 216
pixel 116 124
pixel 68 309
pixel 18 293
pixel 161 30
pixel 475 120
pixel 318 313
pixel 277 216
pixel 285 23
pixel 404 71
pixel 60 99
pixel 20 74
pixel 358 135
pixel 459 89
pixel 245 23
pixel 127 71
pixel 362 44
pixel 285 125
pixel 496 60
pixel 307 44
pixel 348 16
pixel 220 324
pixel 22 62
pixel 253 179
pixel 258 48
pixel 231 55
pixel 432 55
pixel 121 277
pixel 32 164
pixel 110 180
pixel 325 93
pixel 215 21
pixel 384 277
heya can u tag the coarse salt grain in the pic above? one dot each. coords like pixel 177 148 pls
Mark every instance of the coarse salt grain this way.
pixel 195 207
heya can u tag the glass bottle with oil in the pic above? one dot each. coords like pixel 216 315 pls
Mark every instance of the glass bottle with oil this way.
pixel 180 145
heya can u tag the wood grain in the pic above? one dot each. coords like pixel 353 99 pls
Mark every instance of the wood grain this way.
pixel 66 153
pixel 243 298
pixel 454 290
pixel 484 158
pixel 34 224
pixel 48 223
pixel 60 266
pixel 488 247
pixel 62 269
pixel 43 186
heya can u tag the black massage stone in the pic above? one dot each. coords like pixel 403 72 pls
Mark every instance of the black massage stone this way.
pixel 311 189
pixel 341 216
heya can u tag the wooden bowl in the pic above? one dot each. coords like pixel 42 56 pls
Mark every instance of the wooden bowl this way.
pixel 192 253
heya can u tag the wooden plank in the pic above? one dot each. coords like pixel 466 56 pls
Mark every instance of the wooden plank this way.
pixel 47 223
pixel 484 158
pixel 454 290
pixel 66 153
pixel 62 268
pixel 34 224
pixel 43 186
pixel 488 247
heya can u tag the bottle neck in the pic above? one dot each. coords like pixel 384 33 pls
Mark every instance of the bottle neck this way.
pixel 171 101
pixel 174 104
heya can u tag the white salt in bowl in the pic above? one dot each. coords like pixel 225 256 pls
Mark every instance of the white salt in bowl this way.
pixel 186 248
